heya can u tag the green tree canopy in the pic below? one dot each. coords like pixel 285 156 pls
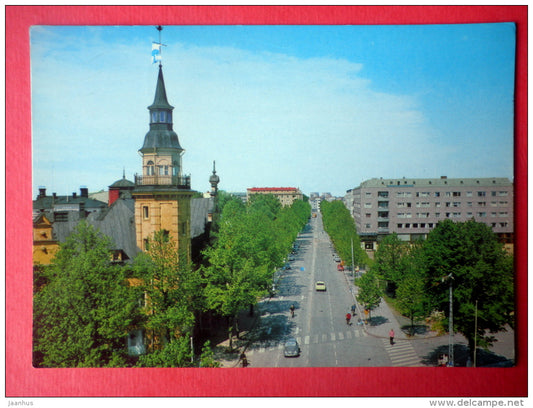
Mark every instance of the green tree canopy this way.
pixel 84 313
pixel 172 293
pixel 340 226
pixel 482 273
pixel 251 243
pixel 370 293
pixel 389 262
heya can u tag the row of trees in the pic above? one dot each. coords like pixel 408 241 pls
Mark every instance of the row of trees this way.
pixel 85 306
pixel 252 242
pixel 340 226
pixel 417 275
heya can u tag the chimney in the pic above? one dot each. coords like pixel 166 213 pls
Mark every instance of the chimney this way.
pixel 54 195
pixel 443 177
pixel 42 192
pixel 84 192
pixel 74 195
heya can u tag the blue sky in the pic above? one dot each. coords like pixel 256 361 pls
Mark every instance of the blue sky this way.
pixel 321 108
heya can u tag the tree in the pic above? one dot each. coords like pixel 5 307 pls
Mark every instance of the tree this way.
pixel 84 312
pixel 340 226
pixel 369 291
pixel 173 293
pixel 411 295
pixel 389 264
pixel 251 243
pixel 482 274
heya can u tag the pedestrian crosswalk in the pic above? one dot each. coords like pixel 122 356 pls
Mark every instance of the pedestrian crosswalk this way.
pixel 402 353
pixel 311 339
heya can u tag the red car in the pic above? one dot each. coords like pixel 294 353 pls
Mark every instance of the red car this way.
pixel 340 267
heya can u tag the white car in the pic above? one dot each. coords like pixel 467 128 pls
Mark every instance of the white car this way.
pixel 320 286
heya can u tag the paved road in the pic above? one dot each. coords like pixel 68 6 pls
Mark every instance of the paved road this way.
pixel 319 324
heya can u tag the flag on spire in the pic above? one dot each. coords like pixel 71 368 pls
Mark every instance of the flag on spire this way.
pixel 156 52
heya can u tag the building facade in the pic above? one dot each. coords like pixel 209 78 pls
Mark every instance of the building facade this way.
pixel 286 195
pixel 411 208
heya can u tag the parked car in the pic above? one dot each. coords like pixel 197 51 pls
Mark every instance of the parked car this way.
pixel 340 267
pixel 320 286
pixel 337 259
pixel 292 348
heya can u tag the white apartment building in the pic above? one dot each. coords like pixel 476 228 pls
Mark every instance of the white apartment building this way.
pixel 413 207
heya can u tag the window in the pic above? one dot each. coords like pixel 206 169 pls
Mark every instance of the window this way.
pixel 368 205
pixel 383 194
pixel 456 194
pixel 145 212
pixel 437 204
pixel 61 216
pixel 481 193
pixel 150 168
pixel 368 195
pixel 482 203
pixel 162 116
pixel 437 194
pixel 368 226
pixel 456 215
pixel 368 215
pixel 415 225
pixel 469 194
pixel 456 204
pixel 482 214
pixel 437 215
pixel 503 193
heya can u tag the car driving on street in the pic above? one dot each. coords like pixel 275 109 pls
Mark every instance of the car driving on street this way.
pixel 292 348
pixel 320 286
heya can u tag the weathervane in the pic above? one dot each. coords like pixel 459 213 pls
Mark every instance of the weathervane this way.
pixel 156 47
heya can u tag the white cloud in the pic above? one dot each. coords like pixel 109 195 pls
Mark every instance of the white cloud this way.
pixel 267 119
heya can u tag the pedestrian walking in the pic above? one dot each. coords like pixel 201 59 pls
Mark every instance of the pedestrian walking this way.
pixel 348 317
pixel 391 336
pixel 244 360
pixel 353 310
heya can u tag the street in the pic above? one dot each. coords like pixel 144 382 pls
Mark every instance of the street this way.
pixel 319 324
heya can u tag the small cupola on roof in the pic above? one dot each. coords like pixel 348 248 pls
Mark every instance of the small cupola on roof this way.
pixel 161 133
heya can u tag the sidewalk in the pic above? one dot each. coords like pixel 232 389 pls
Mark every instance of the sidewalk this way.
pixel 382 318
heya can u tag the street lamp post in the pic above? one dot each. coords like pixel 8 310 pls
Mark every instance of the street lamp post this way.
pixel 450 326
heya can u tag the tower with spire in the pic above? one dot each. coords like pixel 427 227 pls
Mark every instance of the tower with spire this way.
pixel 162 192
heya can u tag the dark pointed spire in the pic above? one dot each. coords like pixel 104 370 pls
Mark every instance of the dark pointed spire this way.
pixel 160 99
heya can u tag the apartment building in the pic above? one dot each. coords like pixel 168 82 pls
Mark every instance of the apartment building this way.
pixel 286 195
pixel 412 207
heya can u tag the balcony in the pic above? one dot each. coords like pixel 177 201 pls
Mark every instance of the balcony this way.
pixel 181 182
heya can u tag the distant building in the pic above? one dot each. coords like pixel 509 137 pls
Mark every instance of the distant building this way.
pixel 411 208
pixel 286 195
pixel 66 208
pixel 120 189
